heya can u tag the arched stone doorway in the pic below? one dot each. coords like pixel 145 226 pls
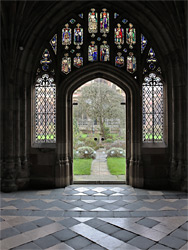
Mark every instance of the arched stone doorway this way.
pixel 99 133
pixel 64 164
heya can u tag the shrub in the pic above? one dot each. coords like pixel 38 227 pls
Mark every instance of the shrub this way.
pixel 117 144
pixel 116 152
pixel 85 153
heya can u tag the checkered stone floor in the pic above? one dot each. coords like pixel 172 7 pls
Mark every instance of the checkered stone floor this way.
pixel 94 217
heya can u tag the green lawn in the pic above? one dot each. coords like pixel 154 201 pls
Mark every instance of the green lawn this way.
pixel 116 165
pixel 82 166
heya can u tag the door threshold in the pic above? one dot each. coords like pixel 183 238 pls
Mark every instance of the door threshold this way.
pixel 99 182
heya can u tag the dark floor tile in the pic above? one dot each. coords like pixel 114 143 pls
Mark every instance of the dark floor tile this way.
pixel 185 226
pixel 69 222
pixel 159 247
pixel 108 229
pixel 8 232
pixel 47 241
pixel 78 242
pixel 95 223
pixel 65 234
pixel 148 222
pixel 26 227
pixel 124 235
pixel 172 242
pixel 180 234
pixel 28 246
pixel 43 222
pixel 141 242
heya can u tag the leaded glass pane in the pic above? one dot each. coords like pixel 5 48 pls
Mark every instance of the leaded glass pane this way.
pixel 104 52
pixel 92 22
pixel 78 36
pixel 119 60
pixel 119 36
pixel 53 43
pixel 45 110
pixel 104 22
pixel 78 61
pixel 66 64
pixel 92 52
pixel 45 61
pixel 66 36
pixel 131 63
pixel 130 36
pixel 152 101
pixel 143 43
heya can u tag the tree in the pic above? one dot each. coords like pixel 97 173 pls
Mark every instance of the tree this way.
pixel 100 102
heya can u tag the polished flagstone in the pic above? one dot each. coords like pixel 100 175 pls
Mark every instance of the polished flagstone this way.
pixel 94 217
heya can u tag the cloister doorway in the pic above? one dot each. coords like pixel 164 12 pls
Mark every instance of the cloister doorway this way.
pixel 99 133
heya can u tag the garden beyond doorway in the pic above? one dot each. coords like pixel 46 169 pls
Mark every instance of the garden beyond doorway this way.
pixel 99 132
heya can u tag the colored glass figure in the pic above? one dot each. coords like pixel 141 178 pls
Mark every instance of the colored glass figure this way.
pixel 72 51
pixel 92 52
pixel 72 21
pixel 104 52
pixel 46 60
pixel 151 55
pixel 130 36
pixel 81 15
pixel 78 36
pixel 53 43
pixel 125 50
pixel 78 61
pixel 143 43
pixel 98 39
pixel 66 36
pixel 104 22
pixel 116 15
pixel 131 63
pixel 66 64
pixel 119 60
pixel 119 36
pixel 124 21
pixel 92 22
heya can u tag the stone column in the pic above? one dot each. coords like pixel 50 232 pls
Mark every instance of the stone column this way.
pixel 8 170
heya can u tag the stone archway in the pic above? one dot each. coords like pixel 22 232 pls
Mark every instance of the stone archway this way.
pixel 63 172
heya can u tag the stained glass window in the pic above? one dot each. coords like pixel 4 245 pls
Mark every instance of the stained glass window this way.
pixel 119 36
pixel 66 36
pixel 66 64
pixel 131 63
pixel 45 61
pixel 92 52
pixel 143 43
pixel 152 113
pixel 119 60
pixel 78 61
pixel 104 22
pixel 130 36
pixel 53 43
pixel 151 60
pixel 92 22
pixel 104 52
pixel 45 110
pixel 78 36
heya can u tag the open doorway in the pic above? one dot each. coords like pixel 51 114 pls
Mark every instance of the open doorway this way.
pixel 99 133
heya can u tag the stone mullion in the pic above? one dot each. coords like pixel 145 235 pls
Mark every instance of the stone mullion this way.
pixel 62 161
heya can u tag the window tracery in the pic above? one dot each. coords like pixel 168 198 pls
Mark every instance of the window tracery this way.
pixel 126 43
